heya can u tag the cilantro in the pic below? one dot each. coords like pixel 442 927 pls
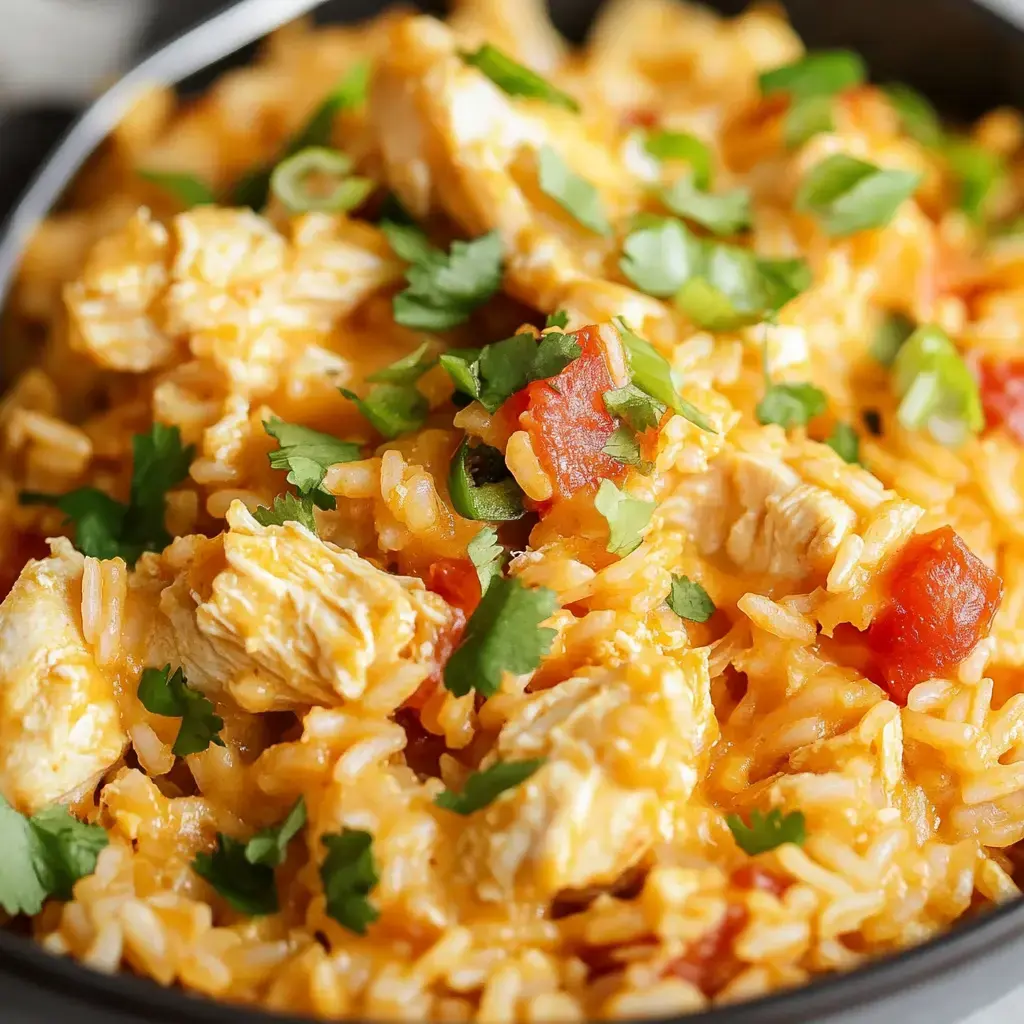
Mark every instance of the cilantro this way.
pixel 243 872
pixel 626 517
pixel 170 697
pixel 765 832
pixel 484 787
pixel 44 856
pixel 516 80
pixel 443 289
pixel 652 375
pixel 977 172
pixel 270 845
pixel 488 556
pixel 659 255
pixel 307 455
pixel 392 409
pixel 188 189
pixel 847 195
pixel 790 405
pixel 806 118
pixel 666 145
pixel 574 194
pixel 892 332
pixel 248 887
pixel 819 73
pixel 689 600
pixel 559 319
pixel 635 407
pixel 623 446
pixel 504 634
pixel 107 528
pixel 724 214
pixel 349 875
pixel 937 390
pixel 917 115
pixel 845 442
pixel 497 371
pixel 406 370
pixel 254 187
pixel 286 508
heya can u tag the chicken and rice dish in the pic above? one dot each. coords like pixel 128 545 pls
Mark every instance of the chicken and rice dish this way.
pixel 502 531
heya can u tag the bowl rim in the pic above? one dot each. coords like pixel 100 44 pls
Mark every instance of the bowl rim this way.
pixel 23 959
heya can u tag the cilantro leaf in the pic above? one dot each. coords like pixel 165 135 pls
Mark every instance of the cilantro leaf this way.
pixel 668 145
pixel 937 390
pixel 107 528
pixel 623 446
pixel 917 115
pixel 819 73
pixel 504 634
pixel 349 875
pixel 765 832
pixel 724 214
pixel 65 849
pixel 409 242
pixel 406 370
pixel 626 517
pixel 806 118
pixel 253 188
pixel 791 405
pixel 516 80
pixel 845 442
pixel 635 407
pixel 689 600
pixel 573 193
pixel 892 332
pixel 659 255
pixel 559 319
pixel 170 697
pixel 489 558
pixel 484 787
pixel 307 455
pixel 847 195
pixel 270 845
pixel 554 353
pixel 188 189
pixel 977 171
pixel 392 409
pixel 444 289
pixel 287 508
pixel 250 888
pixel 652 374
pixel 21 891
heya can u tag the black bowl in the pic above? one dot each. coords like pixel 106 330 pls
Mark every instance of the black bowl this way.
pixel 968 60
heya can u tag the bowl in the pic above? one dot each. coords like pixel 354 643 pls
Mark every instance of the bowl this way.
pixel 967 58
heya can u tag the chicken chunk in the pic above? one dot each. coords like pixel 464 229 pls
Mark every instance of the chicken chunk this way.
pixel 60 727
pixel 285 620
pixel 622 746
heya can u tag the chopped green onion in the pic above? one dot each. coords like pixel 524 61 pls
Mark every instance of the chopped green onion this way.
pixel 481 486
pixel 516 80
pixel 937 390
pixel 977 172
pixel 819 73
pixel 314 180
pixel 667 145
pixel 806 118
pixel 573 193
pixel 892 332
pixel 847 195
pixel 186 188
pixel 917 115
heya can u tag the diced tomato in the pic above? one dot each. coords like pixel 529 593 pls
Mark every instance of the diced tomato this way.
pixel 753 876
pixel 1001 383
pixel 943 598
pixel 640 117
pixel 456 581
pixel 709 962
pixel 569 424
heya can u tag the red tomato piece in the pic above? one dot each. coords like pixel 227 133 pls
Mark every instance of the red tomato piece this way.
pixel 456 581
pixel 1001 383
pixel 709 962
pixel 753 876
pixel 568 423
pixel 943 598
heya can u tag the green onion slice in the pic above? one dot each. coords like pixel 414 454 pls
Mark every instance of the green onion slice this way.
pixel 315 180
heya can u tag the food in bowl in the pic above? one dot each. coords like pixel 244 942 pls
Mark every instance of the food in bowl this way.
pixel 508 532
